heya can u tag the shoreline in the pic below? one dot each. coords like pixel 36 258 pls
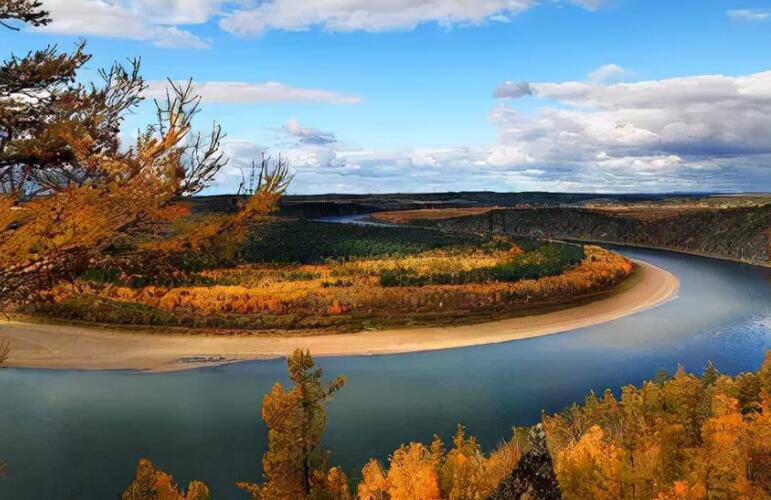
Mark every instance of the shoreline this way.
pixel 49 346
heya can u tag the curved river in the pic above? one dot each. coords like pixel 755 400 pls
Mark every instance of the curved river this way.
pixel 73 435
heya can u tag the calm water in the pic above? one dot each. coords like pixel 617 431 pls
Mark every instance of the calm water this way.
pixel 72 435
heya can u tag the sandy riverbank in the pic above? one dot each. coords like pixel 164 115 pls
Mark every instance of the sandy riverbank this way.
pixel 76 347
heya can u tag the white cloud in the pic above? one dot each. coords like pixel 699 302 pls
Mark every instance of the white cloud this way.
pixel 607 73
pixel 178 11
pixel 245 93
pixel 504 155
pixel 373 16
pixel 131 20
pixel 307 135
pixel 749 14
pixel 709 114
pixel 161 21
pixel 697 133
pixel 512 90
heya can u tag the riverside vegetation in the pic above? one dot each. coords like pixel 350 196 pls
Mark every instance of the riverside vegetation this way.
pixel 296 275
pixel 680 437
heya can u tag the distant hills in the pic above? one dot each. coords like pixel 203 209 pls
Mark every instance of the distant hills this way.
pixel 730 226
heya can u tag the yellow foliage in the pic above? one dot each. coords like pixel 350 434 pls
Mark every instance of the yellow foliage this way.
pixel 412 474
pixel 336 289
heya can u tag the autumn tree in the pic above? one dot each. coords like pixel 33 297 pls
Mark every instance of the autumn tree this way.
pixel 70 189
pixel 684 437
pixel 154 484
pixel 462 472
pixel 294 465
pixel 413 472
pixel 44 112
pixel 27 11
pixel 431 472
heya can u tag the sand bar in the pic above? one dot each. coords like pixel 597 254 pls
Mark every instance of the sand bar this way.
pixel 36 345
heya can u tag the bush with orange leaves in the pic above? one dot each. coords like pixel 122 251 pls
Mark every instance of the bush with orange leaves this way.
pixel 153 484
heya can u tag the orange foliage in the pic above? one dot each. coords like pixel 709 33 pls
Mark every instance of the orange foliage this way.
pixel 638 447
pixel 683 438
pixel 153 484
pixel 337 289
pixel 412 474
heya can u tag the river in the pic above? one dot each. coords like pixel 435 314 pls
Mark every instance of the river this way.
pixel 78 435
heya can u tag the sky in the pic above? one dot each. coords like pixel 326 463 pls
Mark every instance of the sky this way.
pixel 373 96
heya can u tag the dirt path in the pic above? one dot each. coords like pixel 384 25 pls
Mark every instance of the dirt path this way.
pixel 76 347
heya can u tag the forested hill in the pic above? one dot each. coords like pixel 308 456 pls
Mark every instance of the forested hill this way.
pixel 742 233
pixel 310 206
pixel 726 226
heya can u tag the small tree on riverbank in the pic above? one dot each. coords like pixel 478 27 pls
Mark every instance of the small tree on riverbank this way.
pixel 294 465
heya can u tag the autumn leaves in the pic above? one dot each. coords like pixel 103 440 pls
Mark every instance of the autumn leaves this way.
pixel 679 438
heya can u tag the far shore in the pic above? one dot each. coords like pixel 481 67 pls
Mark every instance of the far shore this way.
pixel 766 264
pixel 52 346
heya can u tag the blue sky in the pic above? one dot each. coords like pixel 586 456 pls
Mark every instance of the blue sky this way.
pixel 397 95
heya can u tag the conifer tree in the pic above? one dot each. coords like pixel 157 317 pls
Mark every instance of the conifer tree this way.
pixel 294 465
pixel 534 476
pixel 27 11
pixel 68 187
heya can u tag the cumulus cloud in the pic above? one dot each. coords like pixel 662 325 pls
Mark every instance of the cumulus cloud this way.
pixel 307 135
pixel 709 114
pixel 749 14
pixel 366 15
pixel 697 133
pixel 245 93
pixel 512 90
pixel 160 21
pixel 607 73
pixel 131 20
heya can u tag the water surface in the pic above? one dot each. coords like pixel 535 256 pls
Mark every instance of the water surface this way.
pixel 78 435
